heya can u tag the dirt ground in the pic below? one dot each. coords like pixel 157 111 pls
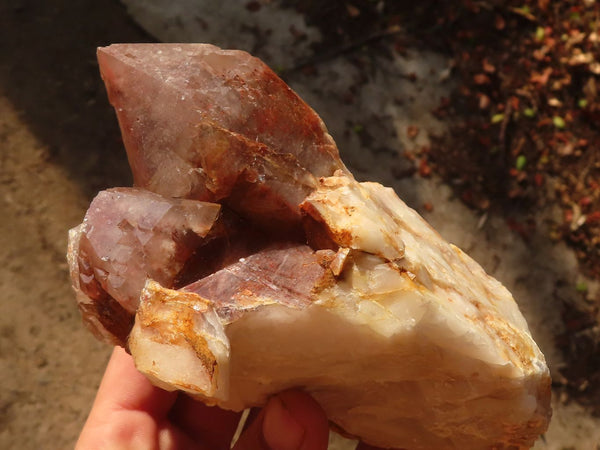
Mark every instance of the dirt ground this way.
pixel 59 145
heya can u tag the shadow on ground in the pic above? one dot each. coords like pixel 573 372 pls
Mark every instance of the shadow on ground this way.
pixel 49 73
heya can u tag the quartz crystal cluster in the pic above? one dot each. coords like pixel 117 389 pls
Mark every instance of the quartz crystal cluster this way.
pixel 248 260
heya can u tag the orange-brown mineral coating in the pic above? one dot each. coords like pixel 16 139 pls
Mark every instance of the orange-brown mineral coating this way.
pixel 254 180
pixel 288 275
pixel 176 323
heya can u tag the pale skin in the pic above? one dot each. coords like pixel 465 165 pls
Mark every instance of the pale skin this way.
pixel 130 413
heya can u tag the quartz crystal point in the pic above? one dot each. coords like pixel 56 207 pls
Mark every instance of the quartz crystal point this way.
pixel 127 236
pixel 346 292
pixel 194 117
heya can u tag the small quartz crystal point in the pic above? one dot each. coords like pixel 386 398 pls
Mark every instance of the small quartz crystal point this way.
pixel 295 275
pixel 127 236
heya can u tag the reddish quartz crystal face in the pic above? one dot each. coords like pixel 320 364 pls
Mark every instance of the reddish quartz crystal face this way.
pixel 216 125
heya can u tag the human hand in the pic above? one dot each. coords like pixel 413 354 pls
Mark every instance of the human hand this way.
pixel 130 413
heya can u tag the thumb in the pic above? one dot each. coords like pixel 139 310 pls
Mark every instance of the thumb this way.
pixel 291 420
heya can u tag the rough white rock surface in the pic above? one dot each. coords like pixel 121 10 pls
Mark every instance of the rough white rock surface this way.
pixel 424 351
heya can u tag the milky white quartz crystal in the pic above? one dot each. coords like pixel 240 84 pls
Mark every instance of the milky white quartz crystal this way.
pixel 300 276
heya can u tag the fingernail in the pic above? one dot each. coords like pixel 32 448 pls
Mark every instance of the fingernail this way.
pixel 280 430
